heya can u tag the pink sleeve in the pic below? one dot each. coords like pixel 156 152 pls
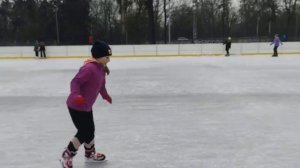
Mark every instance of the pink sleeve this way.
pixel 103 90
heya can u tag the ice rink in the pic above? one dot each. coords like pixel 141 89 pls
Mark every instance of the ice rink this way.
pixel 179 112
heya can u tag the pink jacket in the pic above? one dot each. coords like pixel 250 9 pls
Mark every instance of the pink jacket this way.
pixel 88 82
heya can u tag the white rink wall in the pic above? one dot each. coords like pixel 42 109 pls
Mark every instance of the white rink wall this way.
pixel 153 50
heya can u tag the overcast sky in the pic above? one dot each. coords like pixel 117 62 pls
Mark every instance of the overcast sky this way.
pixel 235 2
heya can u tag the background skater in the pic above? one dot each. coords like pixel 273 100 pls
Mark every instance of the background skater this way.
pixel 43 49
pixel 277 42
pixel 227 45
pixel 36 48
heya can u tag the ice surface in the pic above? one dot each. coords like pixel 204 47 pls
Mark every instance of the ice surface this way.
pixel 184 112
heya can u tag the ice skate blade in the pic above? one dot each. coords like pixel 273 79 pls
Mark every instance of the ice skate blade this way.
pixel 95 161
pixel 61 163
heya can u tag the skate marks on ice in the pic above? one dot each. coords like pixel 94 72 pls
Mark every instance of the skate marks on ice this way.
pixel 86 164
pixel 101 164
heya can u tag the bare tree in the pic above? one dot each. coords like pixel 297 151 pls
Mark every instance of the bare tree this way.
pixel 290 10
pixel 152 35
pixel 103 14
pixel 165 21
pixel 273 6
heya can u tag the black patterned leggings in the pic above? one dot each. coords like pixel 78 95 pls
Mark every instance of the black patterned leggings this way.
pixel 84 122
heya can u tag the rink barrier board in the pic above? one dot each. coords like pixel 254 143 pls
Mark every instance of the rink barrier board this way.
pixel 156 56
pixel 153 50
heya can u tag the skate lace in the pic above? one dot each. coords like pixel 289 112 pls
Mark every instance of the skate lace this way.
pixel 91 155
pixel 98 156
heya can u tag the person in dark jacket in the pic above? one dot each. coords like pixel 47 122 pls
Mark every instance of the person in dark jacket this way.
pixel 36 48
pixel 227 46
pixel 43 49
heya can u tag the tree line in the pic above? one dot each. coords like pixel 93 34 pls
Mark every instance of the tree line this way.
pixel 65 22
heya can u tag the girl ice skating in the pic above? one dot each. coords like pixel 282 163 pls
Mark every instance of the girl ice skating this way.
pixel 87 84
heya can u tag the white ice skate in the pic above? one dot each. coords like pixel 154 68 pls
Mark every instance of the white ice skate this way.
pixel 95 157
pixel 67 159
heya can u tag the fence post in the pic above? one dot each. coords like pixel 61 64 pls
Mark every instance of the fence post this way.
pixel 241 48
pixel 21 51
pixel 201 49
pixel 133 50
pixel 67 53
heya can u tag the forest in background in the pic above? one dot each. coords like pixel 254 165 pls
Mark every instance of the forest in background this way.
pixel 76 22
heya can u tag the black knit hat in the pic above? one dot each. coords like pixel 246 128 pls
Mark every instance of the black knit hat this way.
pixel 100 49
